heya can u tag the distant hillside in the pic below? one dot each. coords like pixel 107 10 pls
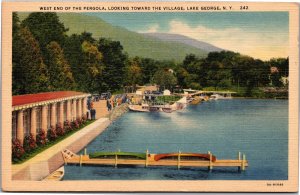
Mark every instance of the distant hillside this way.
pixel 185 40
pixel 134 44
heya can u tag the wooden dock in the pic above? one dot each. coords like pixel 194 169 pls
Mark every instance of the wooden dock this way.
pixel 71 158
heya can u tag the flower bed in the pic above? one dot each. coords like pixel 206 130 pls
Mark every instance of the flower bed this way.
pixel 31 147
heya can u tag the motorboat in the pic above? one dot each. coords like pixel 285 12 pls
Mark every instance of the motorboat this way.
pixel 139 108
pixel 196 100
pixel 219 96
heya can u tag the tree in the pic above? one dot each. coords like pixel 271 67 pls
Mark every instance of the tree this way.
pixel 133 73
pixel 61 77
pixel 83 55
pixel 29 71
pixel 114 64
pixel 165 79
pixel 92 68
pixel 214 75
pixel 282 64
pixel 149 67
pixel 75 56
pixel 182 75
pixel 45 27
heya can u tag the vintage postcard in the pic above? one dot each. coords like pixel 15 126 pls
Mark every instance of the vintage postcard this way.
pixel 150 97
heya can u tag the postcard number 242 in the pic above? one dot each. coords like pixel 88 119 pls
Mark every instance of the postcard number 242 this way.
pixel 243 7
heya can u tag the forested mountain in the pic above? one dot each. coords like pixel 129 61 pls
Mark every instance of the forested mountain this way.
pixel 185 40
pixel 135 44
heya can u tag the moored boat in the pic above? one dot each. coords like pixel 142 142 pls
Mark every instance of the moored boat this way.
pixel 139 108
pixel 167 110
pixel 121 155
pixel 185 156
pixel 196 100
pixel 221 97
pixel 56 175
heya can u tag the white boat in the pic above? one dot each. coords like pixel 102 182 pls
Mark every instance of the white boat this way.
pixel 56 175
pixel 218 96
pixel 139 108
pixel 180 104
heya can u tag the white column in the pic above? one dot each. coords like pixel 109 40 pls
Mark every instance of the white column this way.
pixel 74 109
pixel 53 115
pixel 69 114
pixel 80 108
pixel 45 118
pixel 84 106
pixel 33 122
pixel 61 113
pixel 20 127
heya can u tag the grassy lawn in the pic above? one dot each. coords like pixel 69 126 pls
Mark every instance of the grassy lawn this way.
pixel 167 99
pixel 40 149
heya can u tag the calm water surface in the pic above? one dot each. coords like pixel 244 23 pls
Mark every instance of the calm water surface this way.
pixel 258 128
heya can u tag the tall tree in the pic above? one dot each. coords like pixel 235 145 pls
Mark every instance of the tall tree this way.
pixel 114 60
pixel 92 67
pixel 61 77
pixel 165 79
pixel 29 71
pixel 149 67
pixel 45 27
pixel 77 50
pixel 133 73
pixel 75 56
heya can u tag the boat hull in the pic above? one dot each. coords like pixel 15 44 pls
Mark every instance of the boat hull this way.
pixel 136 108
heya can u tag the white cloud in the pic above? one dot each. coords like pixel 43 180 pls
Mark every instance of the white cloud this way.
pixel 150 29
pixel 254 43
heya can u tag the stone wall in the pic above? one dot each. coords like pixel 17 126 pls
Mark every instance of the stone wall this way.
pixel 118 111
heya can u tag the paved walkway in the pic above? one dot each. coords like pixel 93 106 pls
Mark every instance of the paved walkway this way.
pixel 101 109
pixel 99 125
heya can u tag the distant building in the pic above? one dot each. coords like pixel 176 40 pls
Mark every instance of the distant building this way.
pixel 142 89
pixel 284 80
pixel 167 92
pixel 33 112
pixel 274 69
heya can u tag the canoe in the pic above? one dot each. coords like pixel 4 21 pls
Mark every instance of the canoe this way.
pixel 56 175
pixel 121 155
pixel 184 156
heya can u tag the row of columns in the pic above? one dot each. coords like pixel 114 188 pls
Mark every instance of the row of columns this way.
pixel 79 110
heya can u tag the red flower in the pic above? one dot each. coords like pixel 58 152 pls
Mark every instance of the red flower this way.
pixel 41 138
pixel 29 143
pixel 17 150
pixel 52 134
pixel 59 130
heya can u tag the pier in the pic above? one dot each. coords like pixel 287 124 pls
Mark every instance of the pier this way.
pixel 71 158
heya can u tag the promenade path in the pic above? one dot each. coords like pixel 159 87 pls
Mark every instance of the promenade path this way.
pixel 49 160
pixel 101 109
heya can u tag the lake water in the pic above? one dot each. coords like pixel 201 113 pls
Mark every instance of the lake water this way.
pixel 258 128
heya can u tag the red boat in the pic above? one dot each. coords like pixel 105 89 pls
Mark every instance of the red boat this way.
pixel 184 156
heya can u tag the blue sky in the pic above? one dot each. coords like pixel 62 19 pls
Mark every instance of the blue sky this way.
pixel 258 34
